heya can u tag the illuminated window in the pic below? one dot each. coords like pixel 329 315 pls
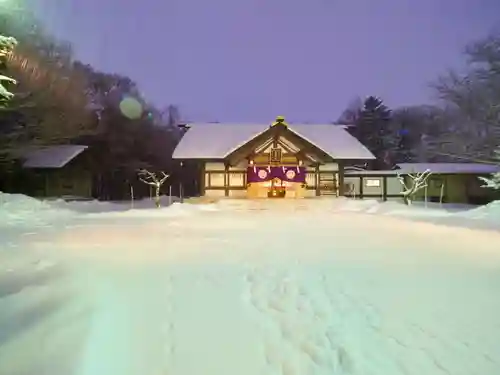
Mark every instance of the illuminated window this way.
pixel 373 182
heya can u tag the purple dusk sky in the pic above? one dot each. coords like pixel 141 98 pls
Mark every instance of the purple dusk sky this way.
pixel 250 60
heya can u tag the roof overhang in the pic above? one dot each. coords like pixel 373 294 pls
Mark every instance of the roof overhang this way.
pixel 50 157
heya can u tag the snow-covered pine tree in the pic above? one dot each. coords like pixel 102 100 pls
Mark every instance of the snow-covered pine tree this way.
pixel 493 182
pixel 7 44
pixel 372 128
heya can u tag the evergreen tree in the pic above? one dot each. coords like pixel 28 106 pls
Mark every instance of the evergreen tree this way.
pixel 372 128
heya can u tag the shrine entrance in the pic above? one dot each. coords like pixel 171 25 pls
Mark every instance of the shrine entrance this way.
pixel 277 189
pixel 275 181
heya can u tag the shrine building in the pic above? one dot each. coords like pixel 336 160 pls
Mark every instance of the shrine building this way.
pixel 276 160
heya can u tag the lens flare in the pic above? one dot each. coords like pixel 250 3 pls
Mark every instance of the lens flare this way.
pixel 131 108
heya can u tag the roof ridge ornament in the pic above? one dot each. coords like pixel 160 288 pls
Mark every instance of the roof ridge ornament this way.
pixel 280 120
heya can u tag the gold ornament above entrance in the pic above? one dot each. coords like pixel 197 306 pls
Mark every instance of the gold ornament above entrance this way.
pixel 275 156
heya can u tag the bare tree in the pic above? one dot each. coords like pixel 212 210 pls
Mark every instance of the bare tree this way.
pixel 352 113
pixel 417 182
pixel 473 101
pixel 420 132
pixel 152 179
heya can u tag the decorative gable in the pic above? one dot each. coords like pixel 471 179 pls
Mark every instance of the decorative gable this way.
pixel 283 144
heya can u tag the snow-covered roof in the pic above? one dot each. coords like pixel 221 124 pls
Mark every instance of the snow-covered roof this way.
pixel 462 168
pixel 438 168
pixel 216 141
pixel 52 156
pixel 351 172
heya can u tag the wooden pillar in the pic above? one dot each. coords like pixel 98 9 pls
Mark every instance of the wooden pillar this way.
pixel 361 185
pixel 316 174
pixel 384 187
pixel 202 182
pixel 341 179
pixel 46 183
pixel 226 180
pixel 446 191
pixel 181 187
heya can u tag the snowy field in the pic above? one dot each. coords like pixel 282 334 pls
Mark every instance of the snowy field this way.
pixel 317 287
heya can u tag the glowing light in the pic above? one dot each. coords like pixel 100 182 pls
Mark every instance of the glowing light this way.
pixel 131 108
pixel 269 184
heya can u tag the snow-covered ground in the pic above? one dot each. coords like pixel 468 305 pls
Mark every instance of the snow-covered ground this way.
pixel 248 287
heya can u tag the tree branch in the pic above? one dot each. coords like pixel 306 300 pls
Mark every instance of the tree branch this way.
pixel 152 177
pixel 165 176
pixel 402 181
pixel 147 182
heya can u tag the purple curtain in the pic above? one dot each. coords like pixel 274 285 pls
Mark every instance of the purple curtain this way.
pixel 290 174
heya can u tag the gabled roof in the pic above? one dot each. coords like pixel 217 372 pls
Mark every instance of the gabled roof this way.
pixel 216 141
pixel 51 156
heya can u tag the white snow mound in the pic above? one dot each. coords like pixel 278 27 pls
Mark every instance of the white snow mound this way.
pixel 21 210
pixel 490 212
pixel 174 210
pixel 361 205
pixel 486 217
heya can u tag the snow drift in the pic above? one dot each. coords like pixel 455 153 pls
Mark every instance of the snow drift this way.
pixel 18 210
pixel 460 215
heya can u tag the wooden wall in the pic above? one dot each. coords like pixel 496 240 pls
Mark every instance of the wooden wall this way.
pixel 372 186
pixel 63 182
pixel 457 188
pixel 324 180
pixel 220 180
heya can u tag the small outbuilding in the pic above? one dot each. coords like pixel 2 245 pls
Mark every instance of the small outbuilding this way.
pixel 57 171
pixel 448 182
